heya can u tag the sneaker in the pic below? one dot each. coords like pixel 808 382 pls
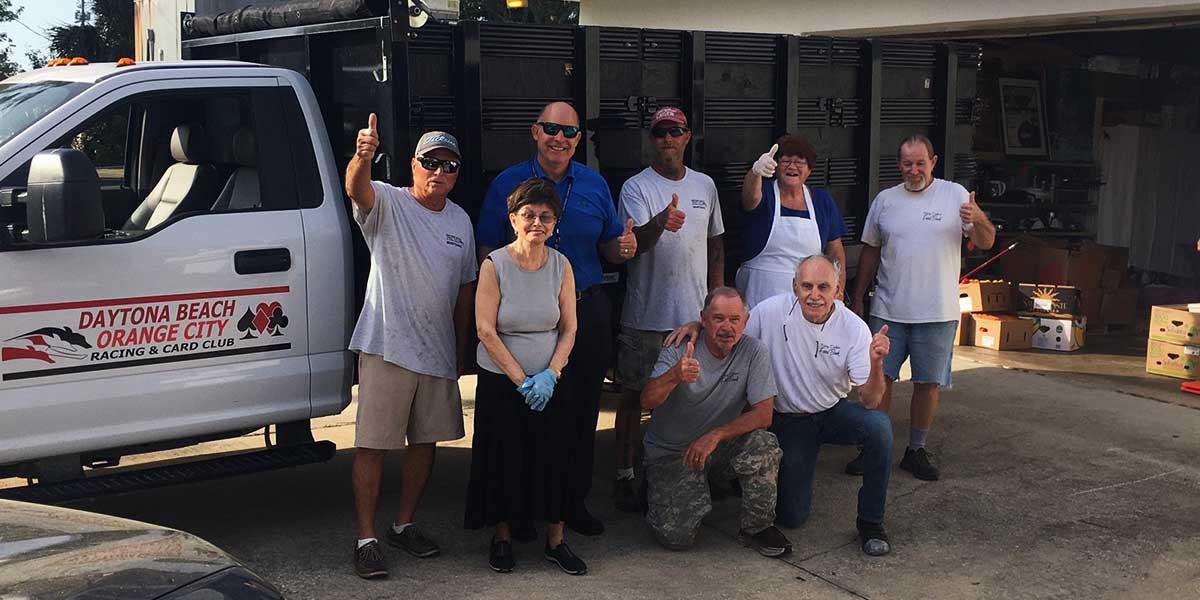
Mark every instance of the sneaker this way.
pixel 769 542
pixel 918 463
pixel 565 559
pixel 524 531
pixel 874 538
pixel 368 561
pixel 414 542
pixel 500 558
pixel 582 522
pixel 855 467
pixel 625 497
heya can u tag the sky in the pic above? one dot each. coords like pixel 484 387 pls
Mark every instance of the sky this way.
pixel 39 15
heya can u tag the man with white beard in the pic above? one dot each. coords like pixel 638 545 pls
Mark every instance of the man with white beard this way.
pixel 913 243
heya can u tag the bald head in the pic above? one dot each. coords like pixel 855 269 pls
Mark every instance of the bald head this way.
pixel 559 112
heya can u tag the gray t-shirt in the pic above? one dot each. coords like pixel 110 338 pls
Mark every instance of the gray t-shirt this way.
pixel 726 387
pixel 527 318
pixel 667 284
pixel 419 259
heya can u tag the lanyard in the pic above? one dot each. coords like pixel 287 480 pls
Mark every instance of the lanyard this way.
pixel 555 239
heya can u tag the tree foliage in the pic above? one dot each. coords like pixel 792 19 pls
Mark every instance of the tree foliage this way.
pixel 102 32
pixel 8 66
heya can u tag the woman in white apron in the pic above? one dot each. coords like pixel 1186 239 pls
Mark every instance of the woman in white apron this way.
pixel 790 238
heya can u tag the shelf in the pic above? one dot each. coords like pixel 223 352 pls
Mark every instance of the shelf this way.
pixel 1045 233
pixel 1036 163
pixel 1048 206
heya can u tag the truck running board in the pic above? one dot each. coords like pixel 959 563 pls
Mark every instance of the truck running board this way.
pixel 153 477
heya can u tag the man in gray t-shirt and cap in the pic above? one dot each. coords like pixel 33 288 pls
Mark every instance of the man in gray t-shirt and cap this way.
pixel 712 402
pixel 411 334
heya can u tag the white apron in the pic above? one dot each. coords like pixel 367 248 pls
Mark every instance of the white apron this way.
pixel 791 240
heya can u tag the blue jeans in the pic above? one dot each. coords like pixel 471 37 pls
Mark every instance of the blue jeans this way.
pixel 929 345
pixel 846 424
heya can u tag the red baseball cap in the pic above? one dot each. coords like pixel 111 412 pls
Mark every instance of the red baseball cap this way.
pixel 668 113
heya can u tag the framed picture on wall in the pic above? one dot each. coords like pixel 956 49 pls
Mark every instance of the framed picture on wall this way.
pixel 1023 116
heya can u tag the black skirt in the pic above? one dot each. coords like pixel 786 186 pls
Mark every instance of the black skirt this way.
pixel 518 460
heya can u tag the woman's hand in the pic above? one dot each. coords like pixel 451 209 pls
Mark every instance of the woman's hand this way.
pixel 681 333
pixel 542 388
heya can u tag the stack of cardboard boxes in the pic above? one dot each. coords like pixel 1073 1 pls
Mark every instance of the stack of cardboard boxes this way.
pixel 1054 311
pixel 1104 296
pixel 985 319
pixel 1174 346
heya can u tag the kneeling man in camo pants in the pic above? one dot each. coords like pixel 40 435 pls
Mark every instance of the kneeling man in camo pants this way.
pixel 712 401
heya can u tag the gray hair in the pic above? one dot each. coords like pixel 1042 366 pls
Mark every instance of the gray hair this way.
pixel 723 292
pixel 916 138
pixel 837 267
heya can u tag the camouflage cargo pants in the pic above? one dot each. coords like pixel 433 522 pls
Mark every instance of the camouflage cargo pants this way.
pixel 679 498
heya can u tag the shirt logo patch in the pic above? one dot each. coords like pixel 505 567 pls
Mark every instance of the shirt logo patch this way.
pixel 454 240
pixel 700 204
pixel 932 216
pixel 730 378
pixel 828 349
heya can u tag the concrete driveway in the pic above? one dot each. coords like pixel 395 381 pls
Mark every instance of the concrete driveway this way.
pixel 1053 487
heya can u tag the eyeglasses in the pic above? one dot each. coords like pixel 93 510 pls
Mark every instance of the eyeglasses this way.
pixel 545 218
pixel 790 162
pixel 448 165
pixel 662 132
pixel 551 128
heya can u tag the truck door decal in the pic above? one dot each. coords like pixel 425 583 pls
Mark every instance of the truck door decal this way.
pixel 115 333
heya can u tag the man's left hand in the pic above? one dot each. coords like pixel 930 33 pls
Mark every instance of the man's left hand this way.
pixel 970 212
pixel 698 451
pixel 880 344
pixel 627 243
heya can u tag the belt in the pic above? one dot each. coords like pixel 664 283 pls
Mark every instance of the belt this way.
pixel 589 292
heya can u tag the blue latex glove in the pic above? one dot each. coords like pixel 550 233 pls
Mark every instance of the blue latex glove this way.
pixel 543 386
pixel 526 390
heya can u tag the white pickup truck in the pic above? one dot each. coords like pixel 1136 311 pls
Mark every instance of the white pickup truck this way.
pixel 175 262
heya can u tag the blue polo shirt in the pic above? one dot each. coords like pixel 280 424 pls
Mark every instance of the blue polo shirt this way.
pixel 761 220
pixel 589 216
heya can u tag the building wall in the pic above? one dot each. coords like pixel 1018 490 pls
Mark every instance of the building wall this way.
pixel 878 17
pixel 157 29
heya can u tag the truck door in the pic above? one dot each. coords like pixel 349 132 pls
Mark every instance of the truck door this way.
pixel 183 317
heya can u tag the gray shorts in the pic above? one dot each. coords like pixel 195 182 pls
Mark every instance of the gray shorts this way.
pixel 637 351
pixel 395 404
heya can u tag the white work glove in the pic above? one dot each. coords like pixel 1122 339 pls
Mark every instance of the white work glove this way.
pixel 765 165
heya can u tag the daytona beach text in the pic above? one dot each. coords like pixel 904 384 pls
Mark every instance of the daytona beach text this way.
pixel 152 324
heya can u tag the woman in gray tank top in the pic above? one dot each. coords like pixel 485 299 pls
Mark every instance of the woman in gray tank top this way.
pixel 525 317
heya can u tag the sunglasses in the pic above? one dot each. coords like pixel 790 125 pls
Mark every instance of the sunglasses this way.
pixel 568 131
pixel 448 165
pixel 662 132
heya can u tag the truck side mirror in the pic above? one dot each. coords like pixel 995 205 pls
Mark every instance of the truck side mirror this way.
pixel 64 201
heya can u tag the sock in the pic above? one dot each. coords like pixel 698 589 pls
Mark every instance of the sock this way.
pixel 916 437
pixel 365 541
pixel 400 527
pixel 625 474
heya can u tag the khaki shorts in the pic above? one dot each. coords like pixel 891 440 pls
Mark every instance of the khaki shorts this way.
pixel 637 351
pixel 395 403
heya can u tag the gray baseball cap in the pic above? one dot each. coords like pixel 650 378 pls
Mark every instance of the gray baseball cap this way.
pixel 437 139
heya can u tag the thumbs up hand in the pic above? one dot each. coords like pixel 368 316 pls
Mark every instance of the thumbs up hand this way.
pixel 970 213
pixel 671 218
pixel 689 367
pixel 880 344
pixel 765 165
pixel 627 243
pixel 368 139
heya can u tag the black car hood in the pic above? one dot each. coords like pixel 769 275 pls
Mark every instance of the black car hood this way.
pixel 48 552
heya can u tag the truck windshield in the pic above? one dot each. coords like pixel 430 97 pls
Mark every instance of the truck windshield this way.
pixel 22 104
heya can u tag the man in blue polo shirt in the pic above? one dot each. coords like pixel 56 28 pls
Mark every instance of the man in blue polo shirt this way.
pixel 588 230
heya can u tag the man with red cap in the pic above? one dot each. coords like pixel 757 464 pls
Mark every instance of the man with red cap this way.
pixel 679 258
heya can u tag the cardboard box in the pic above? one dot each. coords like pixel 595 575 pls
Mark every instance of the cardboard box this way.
pixel 1173 323
pixel 1173 360
pixel 1080 268
pixel 1043 298
pixel 1064 333
pixel 965 334
pixel 1112 279
pixel 1002 332
pixel 1119 307
pixel 984 296
pixel 1091 305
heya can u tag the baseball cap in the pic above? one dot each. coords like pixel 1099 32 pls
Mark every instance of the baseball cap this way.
pixel 437 139
pixel 668 113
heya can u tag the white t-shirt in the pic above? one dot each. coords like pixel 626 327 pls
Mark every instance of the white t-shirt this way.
pixel 815 365
pixel 920 240
pixel 667 285
pixel 419 259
